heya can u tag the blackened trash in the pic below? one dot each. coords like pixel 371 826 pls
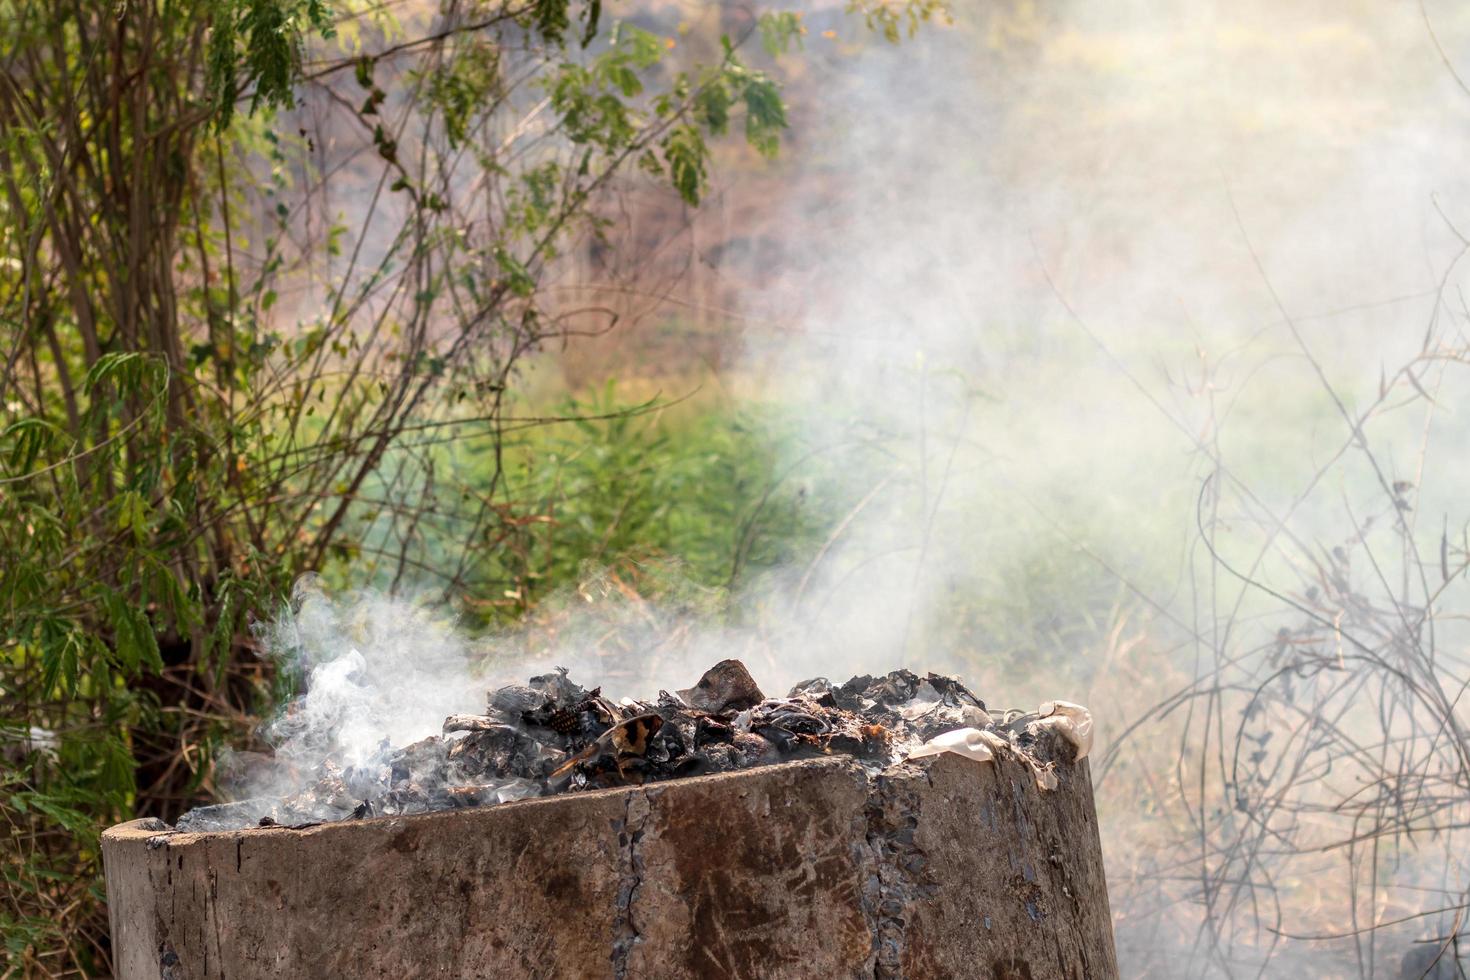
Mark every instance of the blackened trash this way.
pixel 551 735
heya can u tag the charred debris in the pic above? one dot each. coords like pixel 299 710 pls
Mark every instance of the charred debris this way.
pixel 551 735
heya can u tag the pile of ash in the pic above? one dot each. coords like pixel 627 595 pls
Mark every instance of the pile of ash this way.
pixel 552 736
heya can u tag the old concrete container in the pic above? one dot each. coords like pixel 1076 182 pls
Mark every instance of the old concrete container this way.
pixel 939 868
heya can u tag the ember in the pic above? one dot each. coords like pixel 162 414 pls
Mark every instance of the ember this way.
pixel 552 736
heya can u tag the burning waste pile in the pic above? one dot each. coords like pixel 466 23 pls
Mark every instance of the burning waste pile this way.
pixel 553 736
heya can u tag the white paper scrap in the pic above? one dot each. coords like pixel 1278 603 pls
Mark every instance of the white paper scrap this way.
pixel 1072 721
pixel 968 742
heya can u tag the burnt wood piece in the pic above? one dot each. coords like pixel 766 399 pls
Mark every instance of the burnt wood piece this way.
pixel 727 686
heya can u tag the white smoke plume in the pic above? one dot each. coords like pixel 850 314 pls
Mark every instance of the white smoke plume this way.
pixel 372 668
pixel 1044 276
pixel 1101 303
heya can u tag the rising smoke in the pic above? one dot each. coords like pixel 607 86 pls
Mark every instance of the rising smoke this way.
pixel 1068 293
pixel 1113 294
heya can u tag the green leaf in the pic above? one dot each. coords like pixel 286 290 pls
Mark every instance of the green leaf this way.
pixel 712 106
pixel 61 651
pixel 686 154
pixel 550 18
pixel 519 279
pixel 125 369
pixel 134 643
pixel 765 115
pixel 28 438
pixel 779 30
pixel 132 514
pixel 594 14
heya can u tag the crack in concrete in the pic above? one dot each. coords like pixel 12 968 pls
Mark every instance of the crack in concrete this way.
pixel 626 935
pixel 897 880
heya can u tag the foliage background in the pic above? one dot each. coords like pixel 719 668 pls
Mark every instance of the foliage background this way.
pixel 212 383
pixel 1102 350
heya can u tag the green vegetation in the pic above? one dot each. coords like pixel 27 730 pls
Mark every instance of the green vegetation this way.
pixel 693 492
pixel 175 448
pixel 269 274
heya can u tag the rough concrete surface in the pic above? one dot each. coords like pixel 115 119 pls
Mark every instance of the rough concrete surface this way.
pixel 942 868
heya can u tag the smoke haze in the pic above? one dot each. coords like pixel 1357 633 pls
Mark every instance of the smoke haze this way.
pixel 1061 295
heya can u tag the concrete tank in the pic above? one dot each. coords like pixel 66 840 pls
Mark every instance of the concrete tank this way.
pixel 943 867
